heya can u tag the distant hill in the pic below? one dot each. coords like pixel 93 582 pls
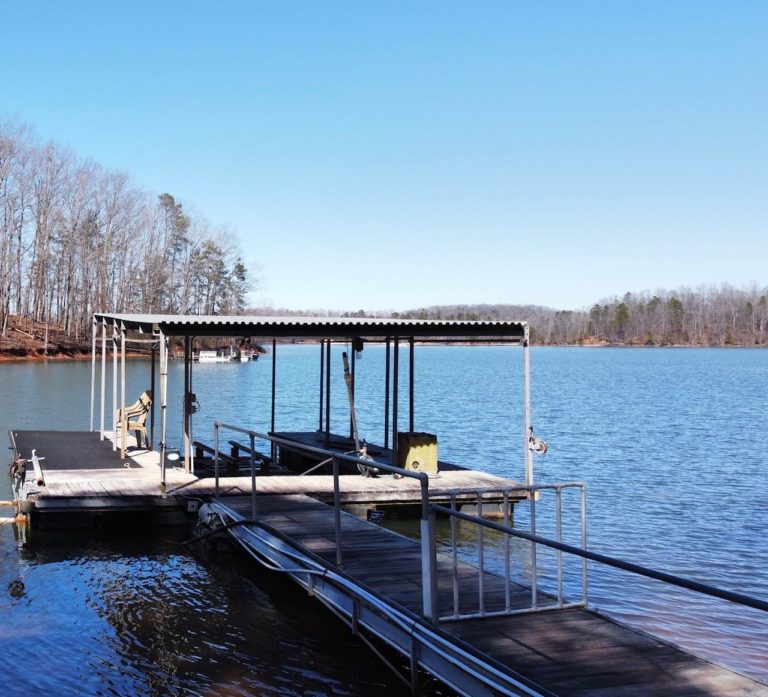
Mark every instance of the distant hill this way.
pixel 706 316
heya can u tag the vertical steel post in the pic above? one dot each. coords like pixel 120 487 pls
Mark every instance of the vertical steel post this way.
pixel 480 558
pixel 534 561
pixel 386 394
pixel 507 593
pixel 395 396
pixel 415 654
pixel 584 578
pixel 428 555
pixel 273 451
pixel 216 459
pixel 328 394
pixel 103 373
pixel 410 385
pixel 322 386
pixel 186 406
pixel 527 407
pixel 123 430
pixel 559 552
pixel 153 358
pixel 163 406
pixel 93 371
pixel 455 557
pixel 114 385
pixel 337 510
pixel 352 416
pixel 253 476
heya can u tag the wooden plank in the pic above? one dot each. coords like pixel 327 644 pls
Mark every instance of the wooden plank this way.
pixel 571 652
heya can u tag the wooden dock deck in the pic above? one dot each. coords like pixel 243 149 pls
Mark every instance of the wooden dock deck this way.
pixel 82 472
pixel 564 652
pixel 378 585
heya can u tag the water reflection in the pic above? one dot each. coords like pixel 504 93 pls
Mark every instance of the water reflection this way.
pixel 125 615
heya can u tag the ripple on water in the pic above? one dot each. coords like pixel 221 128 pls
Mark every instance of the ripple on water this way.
pixel 94 621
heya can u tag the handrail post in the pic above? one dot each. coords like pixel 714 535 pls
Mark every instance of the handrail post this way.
pixel 337 510
pixel 584 573
pixel 253 479
pixel 480 558
pixel 428 555
pixel 534 567
pixel 559 538
pixel 216 458
pixel 507 589
pixel 455 556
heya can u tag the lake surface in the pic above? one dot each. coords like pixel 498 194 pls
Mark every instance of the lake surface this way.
pixel 670 442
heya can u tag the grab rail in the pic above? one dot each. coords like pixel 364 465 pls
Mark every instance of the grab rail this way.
pixel 534 492
pixel 418 633
pixel 671 579
pixel 427 526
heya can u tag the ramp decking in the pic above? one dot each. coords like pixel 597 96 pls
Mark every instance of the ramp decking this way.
pixel 565 652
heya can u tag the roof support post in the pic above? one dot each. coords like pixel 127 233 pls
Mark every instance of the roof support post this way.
pixel 187 404
pixel 124 424
pixel 153 358
pixel 103 372
pixel 527 409
pixel 93 371
pixel 410 385
pixel 386 393
pixel 274 395
pixel 322 377
pixel 328 394
pixel 395 380
pixel 163 406
pixel 114 385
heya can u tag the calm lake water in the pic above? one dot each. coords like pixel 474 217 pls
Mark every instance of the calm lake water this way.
pixel 670 442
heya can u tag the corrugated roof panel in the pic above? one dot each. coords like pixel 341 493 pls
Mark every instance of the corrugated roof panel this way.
pixel 325 327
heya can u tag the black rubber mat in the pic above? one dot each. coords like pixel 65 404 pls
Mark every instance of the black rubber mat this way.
pixel 67 450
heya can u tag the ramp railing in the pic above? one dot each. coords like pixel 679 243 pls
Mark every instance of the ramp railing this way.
pixel 540 601
pixel 483 589
pixel 426 524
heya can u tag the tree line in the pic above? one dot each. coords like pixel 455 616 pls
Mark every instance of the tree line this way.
pixel 76 238
pixel 706 316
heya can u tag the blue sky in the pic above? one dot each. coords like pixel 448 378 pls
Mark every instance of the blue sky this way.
pixel 401 154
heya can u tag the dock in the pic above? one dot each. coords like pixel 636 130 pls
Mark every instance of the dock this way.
pixel 462 611
pixel 473 629
pixel 83 474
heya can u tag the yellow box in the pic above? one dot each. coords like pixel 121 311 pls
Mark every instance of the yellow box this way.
pixel 417 451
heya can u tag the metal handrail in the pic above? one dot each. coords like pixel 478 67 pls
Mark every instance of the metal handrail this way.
pixel 419 631
pixel 671 579
pixel 533 490
pixel 427 525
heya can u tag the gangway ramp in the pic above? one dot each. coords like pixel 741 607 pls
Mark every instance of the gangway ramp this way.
pixel 374 583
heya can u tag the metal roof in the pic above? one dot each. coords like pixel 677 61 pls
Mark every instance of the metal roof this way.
pixel 316 327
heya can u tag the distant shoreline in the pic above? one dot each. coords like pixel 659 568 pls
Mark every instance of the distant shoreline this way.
pixel 17 356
